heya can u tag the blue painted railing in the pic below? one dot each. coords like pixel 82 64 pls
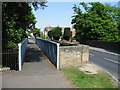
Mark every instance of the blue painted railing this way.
pixel 50 49
pixel 22 50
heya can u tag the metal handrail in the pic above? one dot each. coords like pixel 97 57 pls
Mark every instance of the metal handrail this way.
pixel 51 50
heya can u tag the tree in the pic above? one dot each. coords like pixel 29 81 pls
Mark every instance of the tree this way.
pixel 42 35
pixel 55 33
pixel 50 34
pixel 17 17
pixel 67 34
pixel 115 13
pixel 36 32
pixel 96 23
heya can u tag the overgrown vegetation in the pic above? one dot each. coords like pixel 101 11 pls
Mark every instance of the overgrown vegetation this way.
pixel 67 34
pixel 82 80
pixel 36 32
pixel 43 36
pixel 97 22
pixel 17 17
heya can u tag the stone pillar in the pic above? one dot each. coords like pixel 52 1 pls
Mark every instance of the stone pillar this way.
pixel 85 54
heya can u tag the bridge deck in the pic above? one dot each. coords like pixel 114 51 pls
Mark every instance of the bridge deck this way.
pixel 37 72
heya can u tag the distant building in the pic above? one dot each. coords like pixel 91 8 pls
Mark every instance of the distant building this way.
pixel 47 29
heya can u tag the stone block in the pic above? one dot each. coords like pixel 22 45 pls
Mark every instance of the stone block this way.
pixel 73 55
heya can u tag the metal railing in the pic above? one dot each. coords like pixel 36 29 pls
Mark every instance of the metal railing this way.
pixel 10 59
pixel 50 49
pixel 22 50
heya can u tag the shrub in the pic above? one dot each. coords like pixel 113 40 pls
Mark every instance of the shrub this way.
pixel 50 34
pixel 55 33
pixel 67 34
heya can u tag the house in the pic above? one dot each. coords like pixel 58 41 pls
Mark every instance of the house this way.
pixel 47 29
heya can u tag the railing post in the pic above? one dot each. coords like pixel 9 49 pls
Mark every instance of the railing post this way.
pixel 19 57
pixel 58 55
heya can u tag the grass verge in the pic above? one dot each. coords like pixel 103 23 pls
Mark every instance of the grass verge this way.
pixel 82 80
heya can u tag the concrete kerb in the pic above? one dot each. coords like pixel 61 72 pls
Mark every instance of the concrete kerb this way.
pixel 109 73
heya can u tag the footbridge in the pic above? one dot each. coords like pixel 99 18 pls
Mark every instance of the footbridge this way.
pixel 49 48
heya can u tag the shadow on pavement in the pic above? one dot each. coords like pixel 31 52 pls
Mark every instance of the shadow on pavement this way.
pixel 33 54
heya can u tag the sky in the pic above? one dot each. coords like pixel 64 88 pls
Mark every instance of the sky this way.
pixel 58 14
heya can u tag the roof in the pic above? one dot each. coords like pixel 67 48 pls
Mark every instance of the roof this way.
pixel 49 28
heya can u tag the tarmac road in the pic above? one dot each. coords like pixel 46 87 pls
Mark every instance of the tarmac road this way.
pixel 107 60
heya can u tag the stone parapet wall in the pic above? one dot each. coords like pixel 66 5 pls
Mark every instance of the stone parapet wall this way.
pixel 73 55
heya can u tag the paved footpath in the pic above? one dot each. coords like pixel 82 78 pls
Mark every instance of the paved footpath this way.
pixel 37 72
